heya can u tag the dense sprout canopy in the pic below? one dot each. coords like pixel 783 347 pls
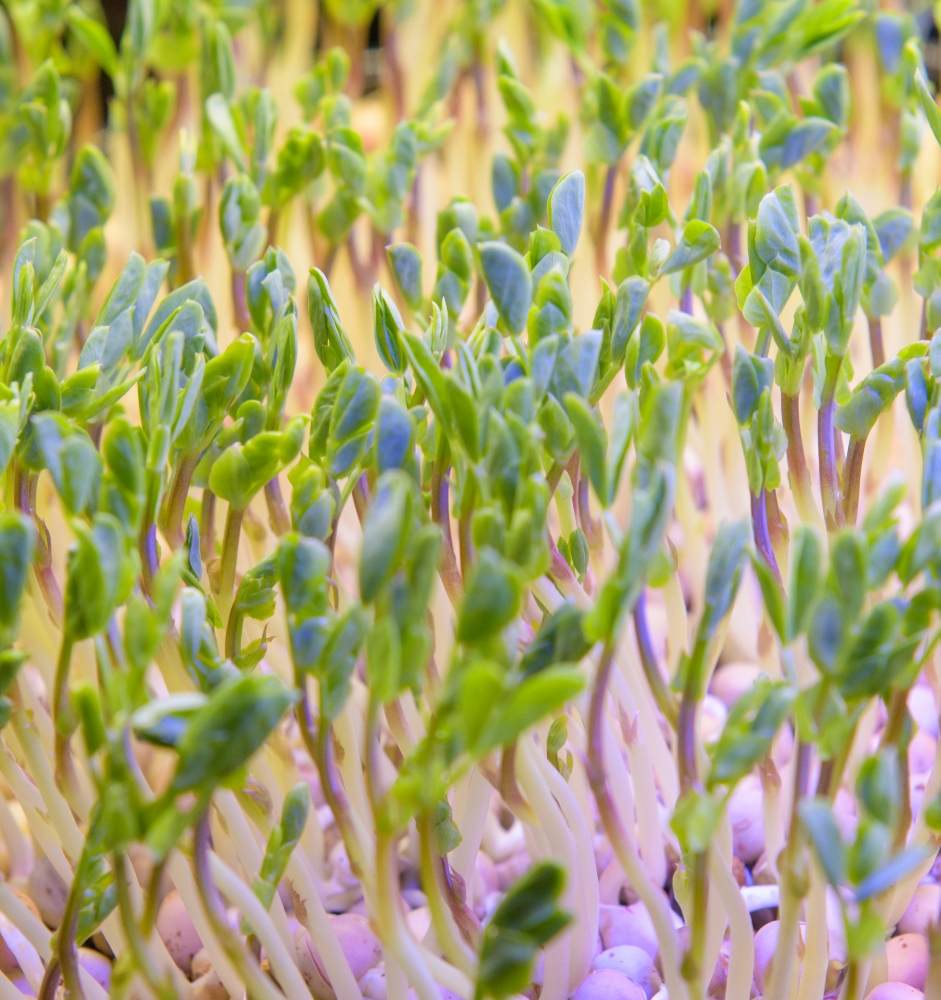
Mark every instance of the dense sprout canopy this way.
pixel 548 603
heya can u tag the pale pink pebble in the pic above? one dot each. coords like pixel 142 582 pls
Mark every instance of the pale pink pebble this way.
pixel 844 812
pixel 921 753
pixel 745 815
pixel 608 984
pixel 510 870
pixel 783 747
pixel 178 932
pixel 610 883
pixel 539 968
pixel 484 880
pixel 916 792
pixel 766 941
pixel 357 941
pixel 603 854
pixel 97 966
pixel 732 680
pixel 202 963
pixel 8 963
pixel 907 959
pixel 373 985
pixel 311 967
pixel 895 991
pixel 712 718
pixel 342 872
pixel 628 925
pixel 634 962
pixel 922 910
pixel 418 922
pixel 924 711
pixel 209 987
pixel 720 974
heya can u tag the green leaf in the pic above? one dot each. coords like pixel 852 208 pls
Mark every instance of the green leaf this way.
pixel 928 103
pixel 226 732
pixel 429 376
pixel 303 566
pixel 491 599
pixel 592 442
pixel 908 860
pixel 284 837
pixel 525 921
pixel 388 329
pixel 385 532
pixel 406 265
pixel 805 569
pixel 331 343
pixel 526 704
pixel 726 561
pixel 16 552
pixel 817 817
pixel 509 282
pixel 699 241
pixel 629 304
pixel 750 377
pixel 95 37
pixel 219 116
pixel 695 820
pixel 772 594
pixel 751 727
pixel 337 660
pixel 566 208
pixel 351 420
pixel 384 659
pixel 99 575
pixel 465 416
pixel 87 706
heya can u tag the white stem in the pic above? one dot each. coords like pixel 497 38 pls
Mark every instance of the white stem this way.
pixel 25 954
pixel 622 789
pixel 771 816
pixel 629 678
pixel 677 622
pixel 185 885
pixel 32 928
pixel 251 857
pixel 447 975
pixel 242 897
pixel 57 808
pixel 19 848
pixel 9 992
pixel 396 983
pixel 278 778
pixel 557 978
pixel 351 769
pixel 470 821
pixel 587 870
pixel 742 957
pixel 813 975
pixel 313 917
pixel 649 832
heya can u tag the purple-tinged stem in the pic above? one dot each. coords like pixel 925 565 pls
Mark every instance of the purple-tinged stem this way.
pixel 604 220
pixel 664 697
pixel 826 446
pixel 798 473
pixel 852 478
pixel 876 345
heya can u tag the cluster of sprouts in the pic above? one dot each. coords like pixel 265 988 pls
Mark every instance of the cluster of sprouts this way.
pixel 545 602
